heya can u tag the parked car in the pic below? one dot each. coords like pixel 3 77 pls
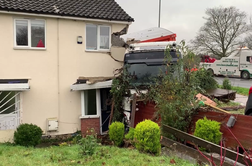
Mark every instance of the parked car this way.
pixel 248 109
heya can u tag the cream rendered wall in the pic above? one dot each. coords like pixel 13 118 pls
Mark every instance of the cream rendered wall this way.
pixel 39 66
pixel 74 62
pixel 54 70
pixel 6 135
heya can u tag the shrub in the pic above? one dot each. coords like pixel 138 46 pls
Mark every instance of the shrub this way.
pixel 116 133
pixel 174 93
pixel 205 79
pixel 208 130
pixel 147 135
pixel 130 134
pixel 28 135
pixel 76 137
pixel 88 144
pixel 226 84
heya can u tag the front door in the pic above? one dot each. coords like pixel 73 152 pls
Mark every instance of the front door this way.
pixel 106 100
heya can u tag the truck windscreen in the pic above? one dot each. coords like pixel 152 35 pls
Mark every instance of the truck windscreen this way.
pixel 145 67
pixel 143 74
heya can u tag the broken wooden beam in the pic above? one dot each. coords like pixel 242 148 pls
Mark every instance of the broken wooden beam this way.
pixel 232 108
pixel 216 108
pixel 111 113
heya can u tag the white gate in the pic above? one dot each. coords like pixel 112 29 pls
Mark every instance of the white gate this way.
pixel 9 110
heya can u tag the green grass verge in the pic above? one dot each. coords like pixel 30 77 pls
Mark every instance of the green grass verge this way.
pixel 239 90
pixel 69 156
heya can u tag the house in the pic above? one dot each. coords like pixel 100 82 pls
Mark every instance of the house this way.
pixel 50 53
pixel 155 34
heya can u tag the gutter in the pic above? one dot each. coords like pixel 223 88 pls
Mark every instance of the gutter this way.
pixel 65 17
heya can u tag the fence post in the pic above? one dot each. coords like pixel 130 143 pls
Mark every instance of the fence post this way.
pixel 133 111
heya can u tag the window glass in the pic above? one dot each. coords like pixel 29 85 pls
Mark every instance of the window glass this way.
pixel 104 37
pixel 249 59
pixel 90 102
pixel 145 74
pixel 21 32
pixel 37 33
pixel 91 37
pixel 8 102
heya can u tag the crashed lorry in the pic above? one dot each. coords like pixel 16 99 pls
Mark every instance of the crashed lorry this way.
pixel 145 62
pixel 147 59
pixel 238 64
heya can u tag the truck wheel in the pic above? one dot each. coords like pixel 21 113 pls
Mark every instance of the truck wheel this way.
pixel 211 71
pixel 245 75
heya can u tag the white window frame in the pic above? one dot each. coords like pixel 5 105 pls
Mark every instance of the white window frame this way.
pixel 29 35
pixel 98 105
pixel 98 38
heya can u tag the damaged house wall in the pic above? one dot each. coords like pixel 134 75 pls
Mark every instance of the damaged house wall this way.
pixel 118 44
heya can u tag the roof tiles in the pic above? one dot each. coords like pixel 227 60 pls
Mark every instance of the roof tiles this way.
pixel 94 9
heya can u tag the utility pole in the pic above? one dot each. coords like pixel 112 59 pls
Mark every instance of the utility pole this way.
pixel 159 13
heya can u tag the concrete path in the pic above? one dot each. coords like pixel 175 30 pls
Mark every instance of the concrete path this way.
pixel 241 99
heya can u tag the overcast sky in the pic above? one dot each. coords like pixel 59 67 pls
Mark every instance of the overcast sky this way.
pixel 183 17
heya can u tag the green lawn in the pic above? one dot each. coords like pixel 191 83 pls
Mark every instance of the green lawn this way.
pixel 68 155
pixel 239 90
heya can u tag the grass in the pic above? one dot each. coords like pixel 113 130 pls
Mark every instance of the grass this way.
pixel 239 90
pixel 69 156
pixel 239 111
pixel 226 104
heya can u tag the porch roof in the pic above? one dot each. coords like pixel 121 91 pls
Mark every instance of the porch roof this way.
pixel 86 86
pixel 14 85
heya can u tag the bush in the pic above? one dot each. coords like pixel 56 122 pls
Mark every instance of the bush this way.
pixel 147 135
pixel 116 133
pixel 76 137
pixel 226 84
pixel 205 79
pixel 88 144
pixel 28 135
pixel 130 134
pixel 208 130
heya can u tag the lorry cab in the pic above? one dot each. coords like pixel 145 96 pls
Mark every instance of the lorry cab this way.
pixel 146 61
pixel 238 64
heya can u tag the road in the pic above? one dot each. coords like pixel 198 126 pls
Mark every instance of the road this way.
pixel 236 82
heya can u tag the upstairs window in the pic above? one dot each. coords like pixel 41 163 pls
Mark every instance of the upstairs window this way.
pixel 29 33
pixel 98 37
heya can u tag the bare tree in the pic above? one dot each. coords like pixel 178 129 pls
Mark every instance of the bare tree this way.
pixel 248 41
pixel 248 38
pixel 222 31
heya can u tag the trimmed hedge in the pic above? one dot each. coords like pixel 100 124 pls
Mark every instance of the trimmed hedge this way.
pixel 147 135
pixel 208 130
pixel 116 133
